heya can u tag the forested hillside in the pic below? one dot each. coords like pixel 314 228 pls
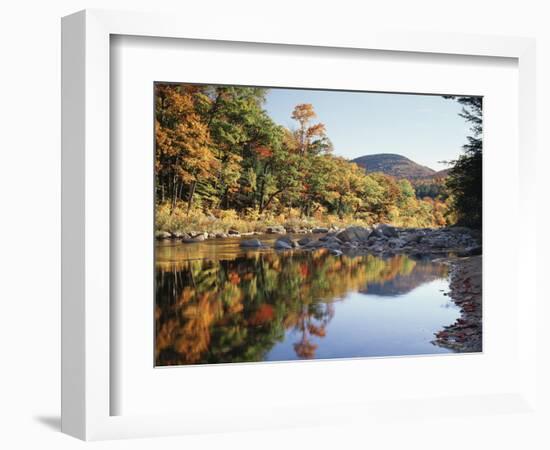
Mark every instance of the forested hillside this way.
pixel 222 162
pixel 394 165
pixel 426 181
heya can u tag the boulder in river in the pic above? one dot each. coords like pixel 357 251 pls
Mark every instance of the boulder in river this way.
pixel 352 234
pixel 304 241
pixel 388 231
pixel 163 235
pixel 288 240
pixel 191 240
pixel 282 245
pixel 415 237
pixel 177 235
pixel 314 244
pixel 251 243
pixel 471 251
pixel 384 231
pixel 319 230
pixel 396 243
pixel 333 244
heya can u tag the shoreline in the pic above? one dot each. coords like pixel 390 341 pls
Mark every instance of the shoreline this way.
pixel 382 240
pixel 465 335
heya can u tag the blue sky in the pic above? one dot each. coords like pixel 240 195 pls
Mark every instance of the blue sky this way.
pixel 424 128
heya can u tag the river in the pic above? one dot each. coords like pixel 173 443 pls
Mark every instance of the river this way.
pixel 218 303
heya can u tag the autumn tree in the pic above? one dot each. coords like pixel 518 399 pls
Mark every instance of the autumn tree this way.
pixel 311 138
pixel 235 119
pixel 183 144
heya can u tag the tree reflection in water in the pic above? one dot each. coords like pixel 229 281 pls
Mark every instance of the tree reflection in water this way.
pixel 236 310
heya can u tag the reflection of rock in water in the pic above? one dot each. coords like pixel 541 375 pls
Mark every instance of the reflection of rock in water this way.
pixel 401 284
pixel 236 309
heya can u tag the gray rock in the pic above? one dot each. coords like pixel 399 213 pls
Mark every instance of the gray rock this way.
pixel 471 251
pixel 415 238
pixel 251 243
pixel 439 240
pixel 396 243
pixel 288 240
pixel 331 242
pixel 376 234
pixel 332 245
pixel 320 230
pixel 304 241
pixel 221 235
pixel 336 252
pixel 191 240
pixel 276 229
pixel 233 232
pixel 388 230
pixel 282 245
pixel 314 244
pixel 163 235
pixel 352 234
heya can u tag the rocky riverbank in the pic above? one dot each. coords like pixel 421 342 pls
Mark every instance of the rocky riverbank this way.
pixel 199 236
pixel 465 335
pixel 384 240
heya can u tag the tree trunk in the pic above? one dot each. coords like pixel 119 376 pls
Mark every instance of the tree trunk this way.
pixel 226 198
pixel 174 194
pixel 262 188
pixel 191 194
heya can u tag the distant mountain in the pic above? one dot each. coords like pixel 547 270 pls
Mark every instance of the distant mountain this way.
pixel 397 166
pixel 423 272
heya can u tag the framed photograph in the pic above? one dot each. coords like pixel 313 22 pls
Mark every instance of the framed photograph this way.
pixel 280 243
pixel 250 220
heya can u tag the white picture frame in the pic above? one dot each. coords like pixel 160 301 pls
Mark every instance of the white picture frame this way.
pixel 87 387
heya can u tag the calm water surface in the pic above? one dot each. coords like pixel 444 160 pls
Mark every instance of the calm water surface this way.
pixel 218 303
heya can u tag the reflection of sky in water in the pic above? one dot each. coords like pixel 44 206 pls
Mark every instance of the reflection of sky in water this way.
pixel 217 302
pixel 373 325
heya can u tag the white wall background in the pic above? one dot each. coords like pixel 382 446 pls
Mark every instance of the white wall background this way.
pixel 30 193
